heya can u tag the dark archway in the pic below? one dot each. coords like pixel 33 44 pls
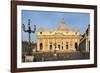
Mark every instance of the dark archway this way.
pixel 76 46
pixel 41 46
pixel 50 47
pixel 59 47
pixel 66 46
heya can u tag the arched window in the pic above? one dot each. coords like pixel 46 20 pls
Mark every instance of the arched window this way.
pixel 41 46
pixel 40 32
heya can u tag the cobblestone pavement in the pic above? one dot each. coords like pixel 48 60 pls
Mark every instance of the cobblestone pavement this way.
pixel 58 56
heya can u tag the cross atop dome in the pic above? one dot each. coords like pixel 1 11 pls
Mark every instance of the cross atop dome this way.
pixel 62 25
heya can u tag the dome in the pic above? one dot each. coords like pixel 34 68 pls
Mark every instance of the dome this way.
pixel 62 26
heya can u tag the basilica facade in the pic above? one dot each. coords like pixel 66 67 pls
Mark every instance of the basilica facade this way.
pixel 60 39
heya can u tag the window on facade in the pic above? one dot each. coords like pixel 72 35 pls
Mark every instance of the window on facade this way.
pixel 41 46
pixel 40 32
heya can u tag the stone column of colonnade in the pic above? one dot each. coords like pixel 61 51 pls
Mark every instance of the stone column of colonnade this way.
pixel 48 44
pixel 59 44
pixel 87 46
pixel 44 47
pixel 62 43
pixel 53 44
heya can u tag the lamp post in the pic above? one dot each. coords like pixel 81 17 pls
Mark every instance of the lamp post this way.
pixel 29 31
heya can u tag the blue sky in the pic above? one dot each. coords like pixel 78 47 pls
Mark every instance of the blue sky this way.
pixel 51 20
